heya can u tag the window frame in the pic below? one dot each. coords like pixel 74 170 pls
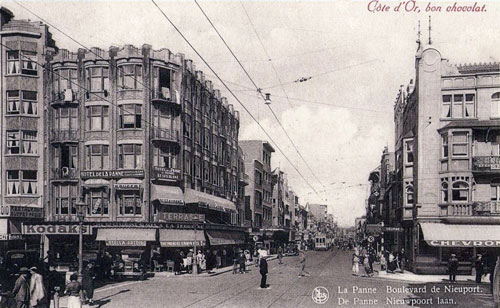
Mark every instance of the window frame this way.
pixel 136 153
pixel 103 115
pixel 167 152
pixel 23 56
pixel 495 101
pixel 458 189
pixel 21 180
pixel 137 208
pixel 104 156
pixel 96 193
pixel 466 143
pixel 123 114
pixel 123 74
pixel 103 78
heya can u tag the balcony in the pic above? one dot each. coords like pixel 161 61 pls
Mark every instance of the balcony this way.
pixel 64 136
pixel 486 164
pixel 474 209
pixel 66 96
pixel 65 174
pixel 164 96
pixel 243 178
pixel 165 135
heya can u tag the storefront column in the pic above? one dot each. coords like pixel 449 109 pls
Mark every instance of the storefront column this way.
pixel 45 241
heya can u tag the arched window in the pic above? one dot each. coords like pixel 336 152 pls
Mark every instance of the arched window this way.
pixel 409 194
pixel 444 191
pixel 460 191
pixel 495 105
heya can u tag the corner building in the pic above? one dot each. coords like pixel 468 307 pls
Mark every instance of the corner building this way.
pixel 447 162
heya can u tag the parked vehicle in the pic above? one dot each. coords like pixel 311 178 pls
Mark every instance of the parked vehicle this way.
pixel 130 264
pixel 291 250
pixel 14 260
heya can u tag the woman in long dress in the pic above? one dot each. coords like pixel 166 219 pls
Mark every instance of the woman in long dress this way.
pixel 74 289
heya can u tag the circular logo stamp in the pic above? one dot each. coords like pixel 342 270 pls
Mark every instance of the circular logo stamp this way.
pixel 320 295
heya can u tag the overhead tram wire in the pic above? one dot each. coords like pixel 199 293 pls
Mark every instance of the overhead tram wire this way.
pixel 258 90
pixel 234 95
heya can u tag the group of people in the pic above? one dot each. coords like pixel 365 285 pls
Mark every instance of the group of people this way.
pixel 393 262
pixel 364 256
pixel 482 266
pixel 34 288
pixel 185 262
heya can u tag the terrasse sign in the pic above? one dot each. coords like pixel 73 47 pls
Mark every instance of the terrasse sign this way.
pixel 481 243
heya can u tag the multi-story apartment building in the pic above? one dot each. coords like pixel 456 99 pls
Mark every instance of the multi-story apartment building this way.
pixel 139 135
pixel 24 45
pixel 447 154
pixel 258 194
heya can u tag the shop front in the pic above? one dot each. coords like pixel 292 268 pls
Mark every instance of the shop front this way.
pixel 437 241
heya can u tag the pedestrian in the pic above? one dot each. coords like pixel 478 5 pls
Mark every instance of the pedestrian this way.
pixel 383 262
pixel 218 258
pixel 235 263
pixel 402 260
pixel 21 291
pixel 202 264
pixel 392 264
pixel 302 258
pixel 38 293
pixel 189 260
pixel 452 267
pixel 88 276
pixel 479 266
pixel 263 272
pixel 242 260
pixel 280 254
pixel 366 265
pixel 355 263
pixel 248 257
pixel 74 290
pixel 224 257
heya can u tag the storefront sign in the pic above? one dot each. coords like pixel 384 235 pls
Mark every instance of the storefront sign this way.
pixel 4 237
pixel 55 229
pixel 392 229
pixel 167 217
pixel 125 243
pixel 373 228
pixel 169 174
pixel 168 201
pixel 127 186
pixel 464 243
pixel 486 163
pixel 112 174
pixel 182 243
pixel 21 211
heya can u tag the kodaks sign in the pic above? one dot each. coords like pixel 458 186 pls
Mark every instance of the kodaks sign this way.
pixel 481 243
pixel 55 229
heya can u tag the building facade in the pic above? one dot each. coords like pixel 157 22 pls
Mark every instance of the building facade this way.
pixel 446 163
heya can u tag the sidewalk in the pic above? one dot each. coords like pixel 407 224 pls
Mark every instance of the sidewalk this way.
pixel 409 276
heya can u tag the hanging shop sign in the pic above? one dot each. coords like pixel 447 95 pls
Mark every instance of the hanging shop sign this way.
pixel 184 217
pixel 111 174
pixel 168 174
pixel 21 211
pixel 392 229
pixel 125 243
pixel 480 243
pixel 55 229
pixel 373 229
pixel 127 186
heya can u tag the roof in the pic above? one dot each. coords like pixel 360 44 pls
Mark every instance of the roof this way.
pixel 471 124
pixel 479 67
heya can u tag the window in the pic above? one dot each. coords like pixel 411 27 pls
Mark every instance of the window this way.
pixel 129 156
pixel 444 190
pixel 22 142
pixel 162 117
pixel 22 182
pixel 460 146
pixel 27 105
pixel 460 191
pixel 97 157
pixel 98 118
pixel 166 157
pixel 458 106
pixel 130 116
pixel 98 79
pixel 495 105
pixel 495 191
pixel 130 203
pixel 65 79
pixel 197 169
pixel 469 105
pixel 206 174
pixel 187 128
pixel 187 164
pixel 206 139
pixel 129 77
pixel 409 152
pixel 22 63
pixel 444 154
pixel 66 119
pixel 65 199
pixel 258 178
pixel 97 202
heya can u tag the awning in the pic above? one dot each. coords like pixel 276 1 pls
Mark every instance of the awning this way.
pixel 453 235
pixel 125 236
pixel 226 238
pixel 128 184
pixel 95 183
pixel 181 238
pixel 212 202
pixel 168 195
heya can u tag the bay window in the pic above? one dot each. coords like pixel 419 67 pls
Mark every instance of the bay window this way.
pixel 97 79
pixel 444 153
pixel 130 116
pixel 65 78
pixel 97 157
pixel 460 144
pixel 129 77
pixel 98 118
pixel 65 199
pixel 165 157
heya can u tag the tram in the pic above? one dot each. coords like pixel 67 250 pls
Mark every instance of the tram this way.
pixel 320 242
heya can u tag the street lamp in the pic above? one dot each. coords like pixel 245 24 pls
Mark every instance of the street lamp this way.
pixel 81 209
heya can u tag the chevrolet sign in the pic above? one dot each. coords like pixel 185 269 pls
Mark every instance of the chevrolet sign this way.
pixel 446 243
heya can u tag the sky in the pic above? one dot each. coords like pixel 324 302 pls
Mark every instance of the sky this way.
pixel 340 119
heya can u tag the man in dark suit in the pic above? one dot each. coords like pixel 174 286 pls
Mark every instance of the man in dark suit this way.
pixel 263 272
pixel 453 267
pixel 21 289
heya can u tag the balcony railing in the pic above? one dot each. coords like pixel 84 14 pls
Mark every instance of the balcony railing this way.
pixel 486 163
pixel 65 173
pixel 64 136
pixel 163 95
pixel 477 208
pixel 167 135
pixel 486 208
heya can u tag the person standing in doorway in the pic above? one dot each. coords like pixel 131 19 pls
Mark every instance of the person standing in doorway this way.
pixel 303 258
pixel 263 272
pixel 479 266
pixel 453 267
